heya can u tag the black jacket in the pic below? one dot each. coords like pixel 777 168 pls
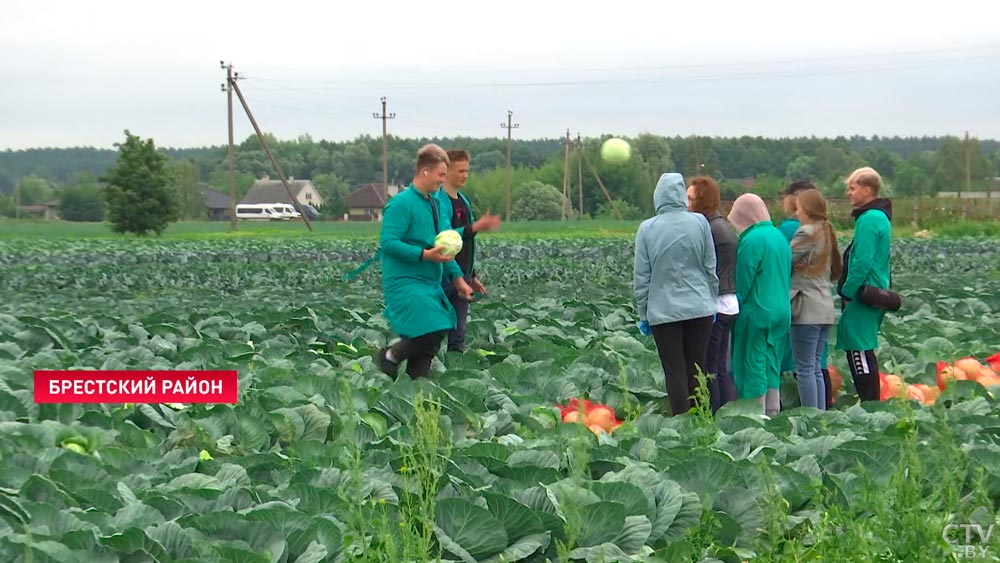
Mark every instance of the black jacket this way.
pixel 725 253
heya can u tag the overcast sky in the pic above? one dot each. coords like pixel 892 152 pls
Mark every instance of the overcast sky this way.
pixel 79 73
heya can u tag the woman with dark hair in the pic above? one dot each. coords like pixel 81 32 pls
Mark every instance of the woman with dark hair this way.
pixel 704 197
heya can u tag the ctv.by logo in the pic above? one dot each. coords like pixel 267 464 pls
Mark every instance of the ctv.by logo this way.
pixel 952 533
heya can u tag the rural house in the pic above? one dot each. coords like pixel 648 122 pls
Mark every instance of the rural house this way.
pixel 216 204
pixel 266 190
pixel 366 203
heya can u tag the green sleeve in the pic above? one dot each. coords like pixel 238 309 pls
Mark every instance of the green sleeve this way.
pixel 451 270
pixel 789 228
pixel 444 210
pixel 862 258
pixel 395 224
pixel 747 259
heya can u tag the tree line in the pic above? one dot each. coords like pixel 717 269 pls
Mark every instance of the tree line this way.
pixel 911 166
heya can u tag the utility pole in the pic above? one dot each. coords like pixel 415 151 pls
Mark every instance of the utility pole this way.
pixel 579 171
pixel 509 126
pixel 263 143
pixel 17 199
pixel 611 202
pixel 567 204
pixel 968 165
pixel 230 175
pixel 385 150
pixel 968 177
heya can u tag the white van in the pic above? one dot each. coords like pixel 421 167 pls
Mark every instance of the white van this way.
pixel 286 210
pixel 259 212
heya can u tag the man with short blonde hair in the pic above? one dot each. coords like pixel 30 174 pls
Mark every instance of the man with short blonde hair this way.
pixel 866 263
pixel 412 269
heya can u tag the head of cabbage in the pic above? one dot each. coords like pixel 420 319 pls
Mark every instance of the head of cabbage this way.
pixel 450 241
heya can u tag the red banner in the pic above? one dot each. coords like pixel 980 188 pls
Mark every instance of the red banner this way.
pixel 164 386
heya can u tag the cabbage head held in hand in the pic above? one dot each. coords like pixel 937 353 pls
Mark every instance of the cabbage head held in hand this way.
pixel 450 241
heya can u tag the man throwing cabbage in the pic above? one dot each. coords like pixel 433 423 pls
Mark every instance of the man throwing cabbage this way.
pixel 412 269
pixel 455 212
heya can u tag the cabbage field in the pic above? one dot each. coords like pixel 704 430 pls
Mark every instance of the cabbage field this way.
pixel 324 458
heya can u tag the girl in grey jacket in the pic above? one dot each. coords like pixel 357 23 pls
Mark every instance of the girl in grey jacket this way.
pixel 815 265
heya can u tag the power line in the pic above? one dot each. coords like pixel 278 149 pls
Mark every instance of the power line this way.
pixel 509 126
pixel 737 73
pixel 678 66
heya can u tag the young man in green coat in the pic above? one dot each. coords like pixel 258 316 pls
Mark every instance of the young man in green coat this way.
pixel 455 212
pixel 866 262
pixel 412 269
pixel 763 282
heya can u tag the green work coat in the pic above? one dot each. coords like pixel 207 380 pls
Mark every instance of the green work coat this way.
pixel 415 302
pixel 866 262
pixel 760 333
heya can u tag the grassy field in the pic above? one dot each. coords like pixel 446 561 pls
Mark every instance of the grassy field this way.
pixel 201 230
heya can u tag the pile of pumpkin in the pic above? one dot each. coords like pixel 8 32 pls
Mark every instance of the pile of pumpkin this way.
pixel 970 369
pixel 595 416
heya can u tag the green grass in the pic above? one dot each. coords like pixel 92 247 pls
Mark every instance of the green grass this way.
pixel 200 230
pixel 188 230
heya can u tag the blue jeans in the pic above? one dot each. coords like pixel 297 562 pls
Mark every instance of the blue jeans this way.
pixel 807 345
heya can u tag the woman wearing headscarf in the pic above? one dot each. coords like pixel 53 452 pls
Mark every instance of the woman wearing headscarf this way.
pixel 760 334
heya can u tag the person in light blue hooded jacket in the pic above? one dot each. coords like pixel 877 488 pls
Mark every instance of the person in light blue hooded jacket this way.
pixel 676 287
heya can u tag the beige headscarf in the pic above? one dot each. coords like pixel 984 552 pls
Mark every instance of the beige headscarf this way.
pixel 748 210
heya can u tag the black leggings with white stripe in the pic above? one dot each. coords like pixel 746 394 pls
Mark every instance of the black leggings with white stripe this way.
pixel 864 370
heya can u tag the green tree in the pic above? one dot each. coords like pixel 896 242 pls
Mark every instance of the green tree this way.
pixel 140 193
pixel 333 189
pixel 802 168
pixel 653 157
pixel 82 203
pixel 535 201
pixel 883 160
pixel 35 190
pixel 911 180
pixel 187 182
pixel 488 161
pixel 832 161
pixel 6 182
pixel 628 211
pixel 952 160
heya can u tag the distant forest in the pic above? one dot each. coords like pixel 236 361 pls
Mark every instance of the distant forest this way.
pixel 910 166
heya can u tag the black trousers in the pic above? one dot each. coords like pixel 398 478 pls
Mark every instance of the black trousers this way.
pixel 721 387
pixel 682 346
pixel 864 370
pixel 456 338
pixel 419 352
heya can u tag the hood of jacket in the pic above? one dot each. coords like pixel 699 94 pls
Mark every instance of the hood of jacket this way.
pixel 670 193
pixel 883 205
